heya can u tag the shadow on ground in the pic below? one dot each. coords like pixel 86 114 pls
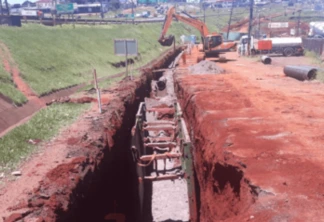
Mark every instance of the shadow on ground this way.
pixel 169 220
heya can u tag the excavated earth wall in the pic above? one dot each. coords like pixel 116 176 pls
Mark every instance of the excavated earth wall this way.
pixel 224 190
pixel 243 168
pixel 100 179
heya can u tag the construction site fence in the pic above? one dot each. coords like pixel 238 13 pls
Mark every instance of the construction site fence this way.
pixel 314 45
pixel 87 21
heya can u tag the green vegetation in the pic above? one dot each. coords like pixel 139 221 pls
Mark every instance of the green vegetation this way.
pixel 315 58
pixel 51 58
pixel 8 88
pixel 320 75
pixel 316 61
pixel 56 57
pixel 44 125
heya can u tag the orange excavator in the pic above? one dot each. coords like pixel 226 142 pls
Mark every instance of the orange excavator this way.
pixel 212 43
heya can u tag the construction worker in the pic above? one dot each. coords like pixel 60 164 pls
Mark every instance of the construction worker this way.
pixel 184 57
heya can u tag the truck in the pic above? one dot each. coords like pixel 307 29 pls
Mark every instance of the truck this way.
pixel 287 46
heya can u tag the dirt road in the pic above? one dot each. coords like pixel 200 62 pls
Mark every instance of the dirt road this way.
pixel 259 144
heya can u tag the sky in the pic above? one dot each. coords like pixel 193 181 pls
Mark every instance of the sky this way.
pixel 16 1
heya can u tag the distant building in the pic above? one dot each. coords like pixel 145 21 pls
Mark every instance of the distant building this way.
pixel 15 6
pixel 193 1
pixel 42 4
pixel 28 4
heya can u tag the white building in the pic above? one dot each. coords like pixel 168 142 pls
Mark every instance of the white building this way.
pixel 45 4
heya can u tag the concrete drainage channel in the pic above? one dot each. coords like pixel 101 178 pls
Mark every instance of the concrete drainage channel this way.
pixel 136 164
pixel 148 179
pixel 161 148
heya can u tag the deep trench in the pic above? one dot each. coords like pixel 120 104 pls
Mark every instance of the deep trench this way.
pixel 113 187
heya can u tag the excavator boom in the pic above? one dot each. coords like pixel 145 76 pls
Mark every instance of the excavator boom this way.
pixel 199 25
pixel 212 43
pixel 167 41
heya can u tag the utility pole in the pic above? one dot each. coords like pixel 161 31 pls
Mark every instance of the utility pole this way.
pixel 7 7
pixel 230 19
pixel 250 26
pixel 133 16
pixel 204 12
pixel 298 23
pixel 101 10
pixel 259 24
pixel 54 12
pixel 1 8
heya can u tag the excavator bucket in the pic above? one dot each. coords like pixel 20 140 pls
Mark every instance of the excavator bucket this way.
pixel 168 41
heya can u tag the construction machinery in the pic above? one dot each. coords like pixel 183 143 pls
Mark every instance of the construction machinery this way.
pixel 212 43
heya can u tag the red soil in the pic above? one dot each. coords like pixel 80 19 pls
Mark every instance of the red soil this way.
pixel 258 142
pixel 50 177
pixel 11 116
pixel 12 68
pixel 83 144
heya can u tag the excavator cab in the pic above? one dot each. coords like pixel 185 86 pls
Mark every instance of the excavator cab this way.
pixel 212 41
pixel 168 41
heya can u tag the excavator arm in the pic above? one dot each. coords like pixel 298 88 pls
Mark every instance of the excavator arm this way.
pixel 212 43
pixel 166 25
pixel 199 25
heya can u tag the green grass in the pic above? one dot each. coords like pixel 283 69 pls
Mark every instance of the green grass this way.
pixel 8 88
pixel 14 146
pixel 320 75
pixel 56 57
pixel 316 61
pixel 314 57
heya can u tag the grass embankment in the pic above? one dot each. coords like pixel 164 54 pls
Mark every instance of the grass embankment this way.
pixel 317 62
pixel 14 146
pixel 8 88
pixel 51 58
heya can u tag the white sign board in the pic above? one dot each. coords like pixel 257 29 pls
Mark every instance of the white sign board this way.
pixel 124 47
pixel 28 12
pixel 275 25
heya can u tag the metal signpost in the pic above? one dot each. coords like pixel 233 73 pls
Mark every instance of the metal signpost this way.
pixel 126 47
pixel 65 8
pixel 97 89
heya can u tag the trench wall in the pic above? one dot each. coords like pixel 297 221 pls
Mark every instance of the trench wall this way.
pixel 223 191
pixel 101 179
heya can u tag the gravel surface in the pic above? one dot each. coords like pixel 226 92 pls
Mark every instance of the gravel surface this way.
pixel 206 67
pixel 170 201
pixel 169 198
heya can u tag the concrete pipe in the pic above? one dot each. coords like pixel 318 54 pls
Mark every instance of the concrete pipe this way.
pixel 300 72
pixel 266 60
pixel 161 84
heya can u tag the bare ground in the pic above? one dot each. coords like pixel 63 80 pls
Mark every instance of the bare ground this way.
pixel 258 141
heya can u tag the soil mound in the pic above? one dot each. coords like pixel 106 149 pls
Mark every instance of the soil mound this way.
pixel 206 67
